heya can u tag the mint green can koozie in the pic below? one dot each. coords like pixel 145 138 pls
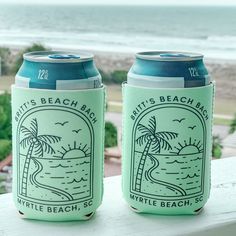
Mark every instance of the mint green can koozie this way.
pixel 58 154
pixel 167 148
pixel 58 129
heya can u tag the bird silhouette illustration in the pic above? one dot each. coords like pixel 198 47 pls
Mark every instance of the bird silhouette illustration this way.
pixel 192 127
pixel 76 131
pixel 61 123
pixel 179 120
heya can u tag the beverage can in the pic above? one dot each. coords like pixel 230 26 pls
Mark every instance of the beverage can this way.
pixel 58 70
pixel 58 136
pixel 168 70
pixel 167 122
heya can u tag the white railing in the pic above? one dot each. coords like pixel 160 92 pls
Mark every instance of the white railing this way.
pixel 115 218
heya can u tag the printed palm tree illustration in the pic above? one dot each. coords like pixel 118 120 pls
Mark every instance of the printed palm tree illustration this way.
pixel 154 140
pixel 38 144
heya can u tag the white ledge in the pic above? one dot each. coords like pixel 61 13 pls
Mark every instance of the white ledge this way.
pixel 115 218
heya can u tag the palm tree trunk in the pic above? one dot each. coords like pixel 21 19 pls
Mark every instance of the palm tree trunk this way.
pixel 26 170
pixel 139 175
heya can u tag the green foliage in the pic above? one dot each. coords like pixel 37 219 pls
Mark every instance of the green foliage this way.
pixel 2 178
pixel 105 77
pixel 5 148
pixel 5 125
pixel 19 57
pixel 5 55
pixel 2 189
pixel 110 135
pixel 216 147
pixel 116 77
pixel 5 116
pixel 233 125
pixel 119 76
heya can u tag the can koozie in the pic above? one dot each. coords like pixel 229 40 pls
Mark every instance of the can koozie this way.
pixel 167 148
pixel 58 143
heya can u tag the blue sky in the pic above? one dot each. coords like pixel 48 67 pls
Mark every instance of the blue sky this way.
pixel 127 2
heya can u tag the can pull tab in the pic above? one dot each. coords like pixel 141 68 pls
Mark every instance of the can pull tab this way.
pixel 63 56
pixel 173 55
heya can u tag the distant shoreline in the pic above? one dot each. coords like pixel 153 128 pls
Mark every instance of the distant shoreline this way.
pixel 112 54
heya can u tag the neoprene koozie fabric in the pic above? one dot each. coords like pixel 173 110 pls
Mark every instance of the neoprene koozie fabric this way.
pixel 167 148
pixel 58 143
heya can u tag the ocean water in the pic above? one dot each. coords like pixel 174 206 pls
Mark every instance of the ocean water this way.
pixel 172 175
pixel 208 30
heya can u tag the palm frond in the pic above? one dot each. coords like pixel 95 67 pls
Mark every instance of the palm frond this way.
pixel 34 127
pixel 152 124
pixel 166 135
pixel 156 146
pixel 26 131
pixel 143 129
pixel 164 144
pixel 142 139
pixel 49 138
pixel 47 148
pixel 38 149
pixel 161 141
pixel 25 142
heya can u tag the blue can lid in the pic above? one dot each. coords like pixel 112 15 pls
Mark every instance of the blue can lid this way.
pixel 169 56
pixel 173 55
pixel 63 56
pixel 57 57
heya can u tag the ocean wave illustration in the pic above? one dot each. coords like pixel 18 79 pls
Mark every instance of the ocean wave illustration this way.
pixel 198 158
pixel 190 177
pixel 175 161
pixel 60 165
pixel 168 185
pixel 77 181
pixel 192 188
pixel 78 193
pixel 54 190
pixel 85 162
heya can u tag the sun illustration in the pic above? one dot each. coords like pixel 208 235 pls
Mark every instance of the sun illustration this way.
pixel 74 151
pixel 189 147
